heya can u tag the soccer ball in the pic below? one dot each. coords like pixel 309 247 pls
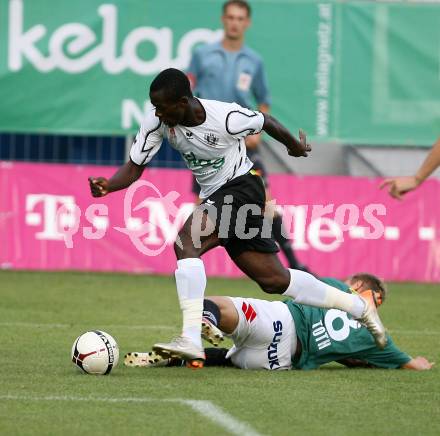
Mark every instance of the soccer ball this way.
pixel 95 352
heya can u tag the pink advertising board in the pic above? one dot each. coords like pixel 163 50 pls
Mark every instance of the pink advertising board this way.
pixel 339 225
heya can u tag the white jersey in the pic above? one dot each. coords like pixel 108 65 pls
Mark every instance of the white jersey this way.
pixel 214 151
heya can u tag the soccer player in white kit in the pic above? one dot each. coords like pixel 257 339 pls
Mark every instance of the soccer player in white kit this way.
pixel 210 137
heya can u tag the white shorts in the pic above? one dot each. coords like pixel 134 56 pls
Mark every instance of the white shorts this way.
pixel 265 337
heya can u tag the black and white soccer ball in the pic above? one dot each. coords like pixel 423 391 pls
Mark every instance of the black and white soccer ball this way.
pixel 95 352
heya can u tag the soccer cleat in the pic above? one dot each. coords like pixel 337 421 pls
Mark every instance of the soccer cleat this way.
pixel 211 332
pixel 375 296
pixel 150 359
pixel 181 347
pixel 195 364
pixel 370 319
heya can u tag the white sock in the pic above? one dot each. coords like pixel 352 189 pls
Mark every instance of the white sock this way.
pixel 307 289
pixel 191 283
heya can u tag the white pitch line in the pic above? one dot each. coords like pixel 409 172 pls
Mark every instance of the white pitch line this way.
pixel 220 417
pixel 203 407
pixel 109 326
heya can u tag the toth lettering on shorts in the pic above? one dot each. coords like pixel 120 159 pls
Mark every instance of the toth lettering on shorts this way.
pixel 272 349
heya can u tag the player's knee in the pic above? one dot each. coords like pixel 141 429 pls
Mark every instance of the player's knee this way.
pixel 184 246
pixel 274 284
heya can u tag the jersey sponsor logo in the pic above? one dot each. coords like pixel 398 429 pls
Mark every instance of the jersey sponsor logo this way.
pixel 211 139
pixel 249 312
pixel 194 162
pixel 272 349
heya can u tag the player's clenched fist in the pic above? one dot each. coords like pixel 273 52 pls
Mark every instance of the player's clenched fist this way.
pixel 98 186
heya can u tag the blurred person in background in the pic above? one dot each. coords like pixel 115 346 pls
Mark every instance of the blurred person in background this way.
pixel 399 186
pixel 230 71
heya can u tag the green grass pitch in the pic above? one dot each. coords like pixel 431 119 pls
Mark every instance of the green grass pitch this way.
pixel 42 393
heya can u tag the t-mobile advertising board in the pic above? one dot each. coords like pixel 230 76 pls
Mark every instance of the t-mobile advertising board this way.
pixel 338 225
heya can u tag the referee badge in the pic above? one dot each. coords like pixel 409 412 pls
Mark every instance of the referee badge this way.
pixel 244 82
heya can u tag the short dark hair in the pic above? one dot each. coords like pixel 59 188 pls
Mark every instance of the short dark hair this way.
pixel 174 82
pixel 372 282
pixel 240 3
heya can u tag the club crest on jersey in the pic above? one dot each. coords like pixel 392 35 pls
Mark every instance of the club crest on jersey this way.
pixel 211 139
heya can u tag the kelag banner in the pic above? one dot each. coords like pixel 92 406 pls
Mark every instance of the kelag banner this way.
pixel 363 72
pixel 339 225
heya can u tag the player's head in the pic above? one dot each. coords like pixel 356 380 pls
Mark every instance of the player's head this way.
pixel 364 281
pixel 170 93
pixel 236 19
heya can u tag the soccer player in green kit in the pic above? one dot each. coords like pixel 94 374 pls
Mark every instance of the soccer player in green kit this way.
pixel 286 335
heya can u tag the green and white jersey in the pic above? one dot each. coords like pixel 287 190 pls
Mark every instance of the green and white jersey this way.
pixel 214 151
pixel 332 335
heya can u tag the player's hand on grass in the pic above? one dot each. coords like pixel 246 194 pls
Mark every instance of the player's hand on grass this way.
pixel 423 363
pixel 398 186
pixel 98 186
pixel 419 363
pixel 301 147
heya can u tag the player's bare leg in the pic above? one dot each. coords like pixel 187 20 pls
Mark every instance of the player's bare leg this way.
pixel 227 318
pixel 195 238
pixel 267 270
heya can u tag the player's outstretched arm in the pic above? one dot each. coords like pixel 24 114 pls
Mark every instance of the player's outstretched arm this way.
pixel 398 186
pixel 418 363
pixel 355 363
pixel 294 146
pixel 123 178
